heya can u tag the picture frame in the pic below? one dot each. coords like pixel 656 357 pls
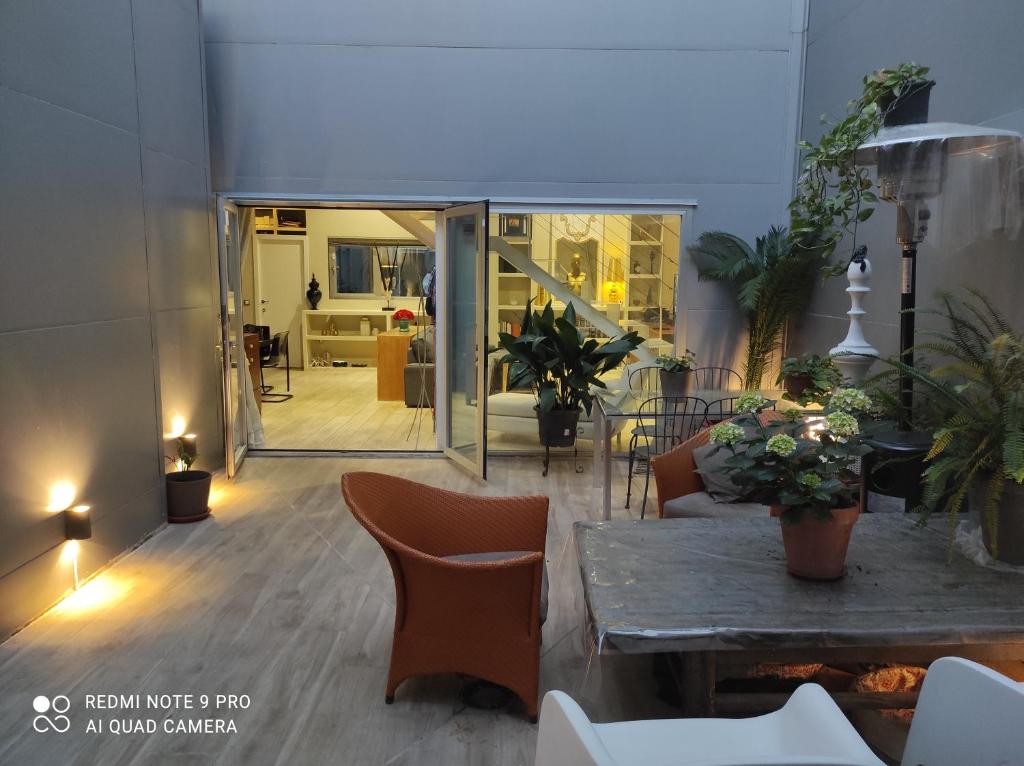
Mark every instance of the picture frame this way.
pixel 514 225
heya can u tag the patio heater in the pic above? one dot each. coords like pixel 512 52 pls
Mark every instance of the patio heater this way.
pixel 389 264
pixel 913 159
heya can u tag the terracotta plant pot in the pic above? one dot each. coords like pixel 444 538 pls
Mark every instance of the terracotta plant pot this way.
pixel 797 384
pixel 188 496
pixel 558 427
pixel 675 383
pixel 1009 521
pixel 816 549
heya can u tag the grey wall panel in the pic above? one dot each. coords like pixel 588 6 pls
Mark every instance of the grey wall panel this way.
pixel 669 24
pixel 189 377
pixel 80 400
pixel 177 232
pixel 380 114
pixel 72 55
pixel 171 110
pixel 70 218
pixel 976 59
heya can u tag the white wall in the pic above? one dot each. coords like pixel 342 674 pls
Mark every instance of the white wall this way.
pixel 653 99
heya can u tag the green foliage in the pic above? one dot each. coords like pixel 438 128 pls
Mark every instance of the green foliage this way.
pixel 670 363
pixel 554 359
pixel 781 464
pixel 833 194
pixel 773 283
pixel 975 393
pixel 824 376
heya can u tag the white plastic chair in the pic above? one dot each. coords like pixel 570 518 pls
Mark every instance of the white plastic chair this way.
pixel 967 715
pixel 808 731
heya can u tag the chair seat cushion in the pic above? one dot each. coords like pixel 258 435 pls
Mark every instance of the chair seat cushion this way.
pixel 502 556
pixel 700 505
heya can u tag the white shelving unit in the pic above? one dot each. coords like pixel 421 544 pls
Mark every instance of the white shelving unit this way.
pixel 349 344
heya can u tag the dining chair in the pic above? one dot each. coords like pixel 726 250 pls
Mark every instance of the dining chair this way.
pixel 716 379
pixel 664 423
pixel 276 348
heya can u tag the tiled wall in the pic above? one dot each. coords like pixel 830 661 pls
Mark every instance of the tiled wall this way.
pixel 107 299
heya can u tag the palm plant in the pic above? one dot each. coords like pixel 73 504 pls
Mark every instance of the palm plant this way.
pixel 773 281
pixel 977 394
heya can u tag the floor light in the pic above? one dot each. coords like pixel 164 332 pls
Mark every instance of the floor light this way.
pixel 77 526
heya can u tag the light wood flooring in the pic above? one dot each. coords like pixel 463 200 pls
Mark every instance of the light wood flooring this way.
pixel 337 409
pixel 282 596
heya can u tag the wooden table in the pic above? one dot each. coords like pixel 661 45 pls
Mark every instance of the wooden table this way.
pixel 712 590
pixel 392 356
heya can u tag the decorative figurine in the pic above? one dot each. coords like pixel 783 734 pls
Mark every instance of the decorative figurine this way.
pixel 313 294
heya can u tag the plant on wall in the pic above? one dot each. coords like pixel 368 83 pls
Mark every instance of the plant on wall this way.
pixel 774 281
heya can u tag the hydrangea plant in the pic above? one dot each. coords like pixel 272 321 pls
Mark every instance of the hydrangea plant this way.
pixel 786 463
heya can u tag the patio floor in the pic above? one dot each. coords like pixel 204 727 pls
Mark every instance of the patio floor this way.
pixel 283 597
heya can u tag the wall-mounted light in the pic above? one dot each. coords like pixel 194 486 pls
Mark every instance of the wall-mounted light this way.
pixel 77 523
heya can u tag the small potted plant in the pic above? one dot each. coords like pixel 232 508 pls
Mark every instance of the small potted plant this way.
pixel 809 379
pixel 552 357
pixel 403 317
pixel 675 373
pixel 188 490
pixel 805 475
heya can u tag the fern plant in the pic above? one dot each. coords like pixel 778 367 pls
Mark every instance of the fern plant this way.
pixel 976 390
pixel 773 282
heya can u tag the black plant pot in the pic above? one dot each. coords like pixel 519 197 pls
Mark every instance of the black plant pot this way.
pixel 188 496
pixel 909 109
pixel 557 428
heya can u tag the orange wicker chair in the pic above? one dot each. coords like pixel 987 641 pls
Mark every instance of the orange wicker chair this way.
pixel 480 618
pixel 675 472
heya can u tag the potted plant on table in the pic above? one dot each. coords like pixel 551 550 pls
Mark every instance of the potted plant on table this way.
pixel 976 393
pixel 403 317
pixel 561 366
pixel 188 490
pixel 805 475
pixel 675 373
pixel 809 379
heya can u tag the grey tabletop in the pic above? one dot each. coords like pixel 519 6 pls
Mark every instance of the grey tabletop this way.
pixel 710 584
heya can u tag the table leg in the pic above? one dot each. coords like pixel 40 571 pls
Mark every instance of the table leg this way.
pixel 697 684
pixel 603 460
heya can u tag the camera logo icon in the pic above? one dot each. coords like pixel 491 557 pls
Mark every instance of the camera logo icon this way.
pixel 57 706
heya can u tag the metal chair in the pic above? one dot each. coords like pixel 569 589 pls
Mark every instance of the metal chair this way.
pixel 275 348
pixel 643 383
pixel 717 379
pixel 665 422
pixel 719 410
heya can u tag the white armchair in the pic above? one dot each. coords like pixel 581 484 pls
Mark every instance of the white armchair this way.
pixel 967 715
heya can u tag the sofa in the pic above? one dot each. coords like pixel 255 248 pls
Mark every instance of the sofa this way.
pixel 683 492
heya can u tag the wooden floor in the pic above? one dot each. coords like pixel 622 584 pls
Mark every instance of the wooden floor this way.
pixel 337 409
pixel 283 597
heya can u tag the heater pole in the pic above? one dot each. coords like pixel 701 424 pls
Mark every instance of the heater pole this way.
pixel 908 283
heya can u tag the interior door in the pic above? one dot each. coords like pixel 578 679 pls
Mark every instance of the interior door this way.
pixel 465 326
pixel 237 383
pixel 281 280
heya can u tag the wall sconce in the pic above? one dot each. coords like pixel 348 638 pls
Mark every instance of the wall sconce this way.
pixel 77 523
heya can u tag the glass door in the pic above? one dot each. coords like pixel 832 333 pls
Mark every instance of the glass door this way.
pixel 237 383
pixel 465 325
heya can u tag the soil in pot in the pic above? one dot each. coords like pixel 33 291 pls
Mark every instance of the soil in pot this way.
pixel 816 548
pixel 797 384
pixel 557 428
pixel 1009 522
pixel 675 383
pixel 188 496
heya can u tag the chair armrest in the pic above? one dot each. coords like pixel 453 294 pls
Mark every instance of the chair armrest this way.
pixel 675 472
pixel 566 735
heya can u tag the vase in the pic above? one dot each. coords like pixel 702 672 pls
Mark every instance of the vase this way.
pixel 188 496
pixel 313 294
pixel 557 428
pixel 403 325
pixel 675 383
pixel 816 548
pixel 1008 545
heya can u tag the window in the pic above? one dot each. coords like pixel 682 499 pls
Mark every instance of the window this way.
pixel 355 271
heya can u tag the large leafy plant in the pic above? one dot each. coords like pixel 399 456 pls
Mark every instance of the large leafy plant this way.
pixel 975 388
pixel 774 280
pixel 785 463
pixel 557 362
